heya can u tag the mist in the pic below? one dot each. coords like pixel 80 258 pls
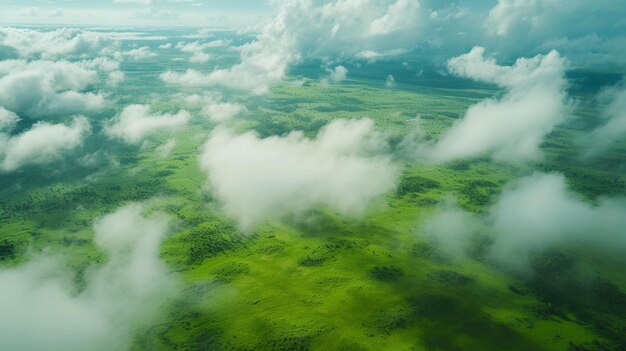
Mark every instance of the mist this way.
pixel 42 309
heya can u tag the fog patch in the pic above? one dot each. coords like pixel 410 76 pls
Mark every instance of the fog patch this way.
pixel 42 144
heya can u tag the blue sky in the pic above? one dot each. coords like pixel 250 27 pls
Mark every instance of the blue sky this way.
pixel 201 13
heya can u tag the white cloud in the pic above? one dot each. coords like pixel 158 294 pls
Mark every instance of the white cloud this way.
pixel 65 43
pixel 390 82
pixel 538 212
pixel 8 119
pixel 337 74
pixel 42 144
pixel 42 311
pixel 512 127
pixel 197 49
pixel 535 213
pixel 135 123
pixel 141 2
pixel 44 88
pixel 258 179
pixel 615 127
pixel 140 54
pixel 310 28
pixel 398 16
pixel 153 14
pixel 212 107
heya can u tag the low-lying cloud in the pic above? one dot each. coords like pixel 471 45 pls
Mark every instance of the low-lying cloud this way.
pixel 614 128
pixel 533 214
pixel 42 309
pixel 135 123
pixel 258 179
pixel 42 89
pixel 42 144
pixel 510 128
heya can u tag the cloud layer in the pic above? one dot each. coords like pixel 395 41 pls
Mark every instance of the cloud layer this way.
pixel 258 179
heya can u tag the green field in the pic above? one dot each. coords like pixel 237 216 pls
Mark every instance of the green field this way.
pixel 323 281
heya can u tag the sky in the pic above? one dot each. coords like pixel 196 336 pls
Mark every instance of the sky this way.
pixel 170 13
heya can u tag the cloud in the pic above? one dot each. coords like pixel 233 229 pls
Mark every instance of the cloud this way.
pixel 390 82
pixel 8 119
pixel 258 179
pixel 512 127
pixel 614 128
pixel 164 150
pixel 523 26
pixel 197 48
pixel 140 54
pixel 535 213
pixel 212 107
pixel 43 310
pixel 141 2
pixel 539 211
pixel 135 123
pixel 337 74
pixel 44 88
pixel 452 227
pixel 313 29
pixel 64 43
pixel 42 144
pixel 152 14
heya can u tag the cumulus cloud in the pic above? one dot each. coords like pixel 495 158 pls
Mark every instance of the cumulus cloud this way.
pixel 42 144
pixel 212 107
pixel 197 49
pixel 533 214
pixel 66 43
pixel 153 14
pixel 42 310
pixel 512 127
pixel 337 74
pixel 140 54
pixel 311 28
pixel 8 119
pixel 44 88
pixel 135 123
pixel 539 211
pixel 614 128
pixel 545 24
pixel 258 179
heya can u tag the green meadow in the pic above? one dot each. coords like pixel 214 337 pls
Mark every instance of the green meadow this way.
pixel 323 281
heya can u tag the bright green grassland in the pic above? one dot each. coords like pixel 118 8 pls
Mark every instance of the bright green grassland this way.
pixel 326 282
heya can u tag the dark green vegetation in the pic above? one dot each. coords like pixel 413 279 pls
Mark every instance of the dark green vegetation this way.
pixel 328 282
